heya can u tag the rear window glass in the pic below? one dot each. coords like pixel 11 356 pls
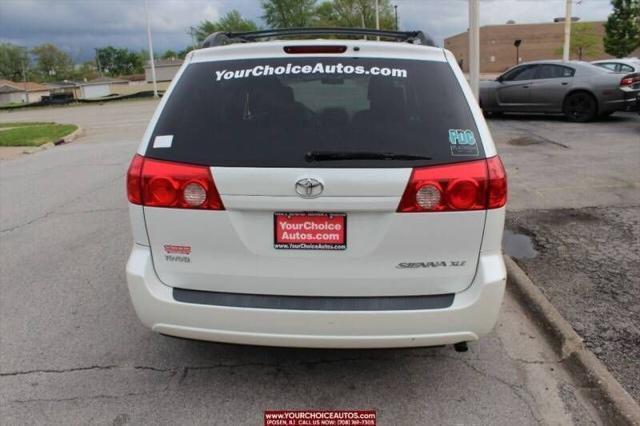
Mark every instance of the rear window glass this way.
pixel 271 112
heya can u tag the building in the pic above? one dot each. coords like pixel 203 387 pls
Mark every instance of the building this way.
pixel 21 92
pixel 64 87
pixel 99 87
pixel 166 69
pixel 92 89
pixel 538 41
pixel 134 79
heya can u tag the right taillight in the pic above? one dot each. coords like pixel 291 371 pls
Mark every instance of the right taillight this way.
pixel 158 183
pixel 473 185
pixel 497 196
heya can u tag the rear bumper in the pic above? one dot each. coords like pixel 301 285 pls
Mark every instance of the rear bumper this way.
pixel 472 314
pixel 630 101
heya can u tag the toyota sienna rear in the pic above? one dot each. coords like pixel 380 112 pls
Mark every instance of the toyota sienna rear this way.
pixel 318 193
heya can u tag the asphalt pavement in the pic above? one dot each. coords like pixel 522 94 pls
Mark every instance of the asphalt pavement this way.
pixel 574 218
pixel 72 350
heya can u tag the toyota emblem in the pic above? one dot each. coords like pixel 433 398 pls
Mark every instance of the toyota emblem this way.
pixel 309 188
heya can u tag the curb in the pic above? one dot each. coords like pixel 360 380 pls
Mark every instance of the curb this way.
pixel 615 403
pixel 71 137
pixel 67 139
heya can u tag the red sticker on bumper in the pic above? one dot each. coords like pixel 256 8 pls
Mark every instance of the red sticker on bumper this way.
pixel 310 231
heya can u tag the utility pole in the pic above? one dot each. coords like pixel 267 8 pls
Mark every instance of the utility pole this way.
pixel 474 46
pixel 377 18
pixel 153 65
pixel 98 63
pixel 567 30
pixel 192 31
pixel 24 82
pixel 24 75
pixel 395 9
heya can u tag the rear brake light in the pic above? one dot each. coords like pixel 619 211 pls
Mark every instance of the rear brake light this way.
pixel 314 49
pixel 497 196
pixel 630 79
pixel 474 185
pixel 158 183
pixel 134 189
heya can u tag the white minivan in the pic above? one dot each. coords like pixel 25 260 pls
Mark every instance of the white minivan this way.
pixel 334 193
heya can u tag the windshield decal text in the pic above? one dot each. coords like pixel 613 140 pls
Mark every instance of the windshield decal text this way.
pixel 318 68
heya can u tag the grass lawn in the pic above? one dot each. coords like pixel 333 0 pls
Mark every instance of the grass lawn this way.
pixel 33 134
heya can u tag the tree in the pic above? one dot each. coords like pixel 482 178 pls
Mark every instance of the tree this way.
pixel 86 71
pixel 115 61
pixel 52 63
pixel 14 62
pixel 622 29
pixel 355 13
pixel 288 13
pixel 232 21
pixel 585 41
pixel 169 54
pixel 183 52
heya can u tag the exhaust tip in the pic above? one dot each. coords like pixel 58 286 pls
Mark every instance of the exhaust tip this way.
pixel 461 347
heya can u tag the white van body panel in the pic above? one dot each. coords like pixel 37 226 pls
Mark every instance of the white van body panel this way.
pixel 472 315
pixel 232 251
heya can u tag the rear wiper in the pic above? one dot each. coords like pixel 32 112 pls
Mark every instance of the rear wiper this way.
pixel 312 156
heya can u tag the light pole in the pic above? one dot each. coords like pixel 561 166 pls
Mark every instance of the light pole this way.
pixel 567 30
pixel 517 45
pixel 474 46
pixel 395 10
pixel 377 18
pixel 153 65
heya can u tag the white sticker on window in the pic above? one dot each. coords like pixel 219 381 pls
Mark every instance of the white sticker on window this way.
pixel 163 141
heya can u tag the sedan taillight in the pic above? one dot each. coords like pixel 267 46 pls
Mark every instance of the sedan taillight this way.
pixel 157 183
pixel 473 185
pixel 630 79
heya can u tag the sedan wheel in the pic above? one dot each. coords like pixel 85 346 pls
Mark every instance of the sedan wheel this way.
pixel 580 107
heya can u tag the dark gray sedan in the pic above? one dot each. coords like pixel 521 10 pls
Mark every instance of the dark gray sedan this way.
pixel 579 90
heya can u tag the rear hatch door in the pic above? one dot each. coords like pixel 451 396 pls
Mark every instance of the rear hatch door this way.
pixel 256 132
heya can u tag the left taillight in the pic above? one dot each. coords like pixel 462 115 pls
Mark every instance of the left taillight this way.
pixel 134 179
pixel 158 183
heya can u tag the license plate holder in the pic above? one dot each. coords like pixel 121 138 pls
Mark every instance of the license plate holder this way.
pixel 309 231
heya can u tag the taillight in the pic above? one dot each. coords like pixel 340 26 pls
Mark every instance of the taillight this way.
pixel 134 188
pixel 474 185
pixel 497 196
pixel 158 183
pixel 630 79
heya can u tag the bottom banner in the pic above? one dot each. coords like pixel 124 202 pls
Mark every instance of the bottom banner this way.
pixel 320 418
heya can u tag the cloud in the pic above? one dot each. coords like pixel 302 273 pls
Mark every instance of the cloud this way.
pixel 79 26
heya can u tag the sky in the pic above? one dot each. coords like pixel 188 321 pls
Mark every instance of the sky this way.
pixel 79 26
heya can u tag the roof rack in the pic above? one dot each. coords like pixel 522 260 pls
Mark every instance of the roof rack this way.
pixel 221 38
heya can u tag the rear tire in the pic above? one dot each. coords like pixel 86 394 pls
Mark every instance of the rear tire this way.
pixel 492 114
pixel 580 107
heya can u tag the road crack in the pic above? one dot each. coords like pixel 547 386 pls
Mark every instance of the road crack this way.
pixel 88 368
